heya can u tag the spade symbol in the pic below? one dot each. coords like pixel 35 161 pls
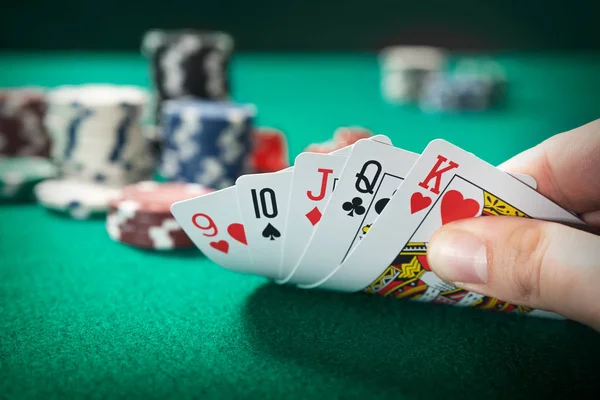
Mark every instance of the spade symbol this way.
pixel 354 206
pixel 380 205
pixel 270 232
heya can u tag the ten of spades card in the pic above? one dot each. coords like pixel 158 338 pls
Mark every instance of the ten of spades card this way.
pixel 263 201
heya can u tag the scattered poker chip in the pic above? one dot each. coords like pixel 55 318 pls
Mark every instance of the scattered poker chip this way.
pixel 19 175
pixel 22 130
pixel 209 143
pixel 80 200
pixel 404 69
pixel 348 135
pixel 97 133
pixel 322 147
pixel 269 150
pixel 141 216
pixel 342 137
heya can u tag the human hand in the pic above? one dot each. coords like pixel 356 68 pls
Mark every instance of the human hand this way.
pixel 535 263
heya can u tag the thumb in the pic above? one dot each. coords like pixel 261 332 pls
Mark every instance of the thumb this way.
pixel 528 262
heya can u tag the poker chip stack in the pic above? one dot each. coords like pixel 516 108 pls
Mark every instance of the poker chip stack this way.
pixel 141 216
pixel 450 93
pixel 98 144
pixel 22 131
pixel 405 69
pixel 209 143
pixel 487 72
pixel 24 144
pixel 188 64
pixel 473 86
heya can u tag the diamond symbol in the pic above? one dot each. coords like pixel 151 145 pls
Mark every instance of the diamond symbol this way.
pixel 314 216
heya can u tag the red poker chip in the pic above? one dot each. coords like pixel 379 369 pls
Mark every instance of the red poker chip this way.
pixel 322 148
pixel 346 136
pixel 270 150
pixel 156 197
pixel 140 218
pixel 166 235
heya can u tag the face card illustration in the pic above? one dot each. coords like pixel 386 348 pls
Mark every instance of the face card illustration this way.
pixel 315 176
pixel 263 200
pixel 369 165
pixel 214 224
pixel 445 185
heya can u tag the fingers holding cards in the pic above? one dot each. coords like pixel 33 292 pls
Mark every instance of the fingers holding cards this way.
pixel 445 185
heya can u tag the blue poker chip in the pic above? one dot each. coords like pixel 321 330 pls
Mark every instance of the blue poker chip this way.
pixel 208 109
pixel 206 142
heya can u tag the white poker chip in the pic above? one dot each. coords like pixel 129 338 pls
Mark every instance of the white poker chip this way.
pixel 95 95
pixel 412 57
pixel 193 109
pixel 405 69
pixel 81 200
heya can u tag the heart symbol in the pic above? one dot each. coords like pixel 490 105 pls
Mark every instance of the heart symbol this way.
pixel 418 202
pixel 455 207
pixel 221 245
pixel 237 232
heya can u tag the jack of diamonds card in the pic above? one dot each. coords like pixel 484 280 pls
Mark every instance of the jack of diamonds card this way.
pixel 446 184
pixel 315 177
pixel 369 165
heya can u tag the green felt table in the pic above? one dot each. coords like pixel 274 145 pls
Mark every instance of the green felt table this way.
pixel 82 316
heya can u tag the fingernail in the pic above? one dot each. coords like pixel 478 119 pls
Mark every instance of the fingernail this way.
pixel 458 256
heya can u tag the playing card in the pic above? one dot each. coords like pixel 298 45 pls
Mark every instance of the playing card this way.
pixel 446 184
pixel 526 179
pixel 371 167
pixel 263 200
pixel 214 224
pixel 315 177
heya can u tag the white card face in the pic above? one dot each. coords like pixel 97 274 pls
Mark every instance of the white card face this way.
pixel 263 200
pixel 369 167
pixel 214 224
pixel 315 176
pixel 446 184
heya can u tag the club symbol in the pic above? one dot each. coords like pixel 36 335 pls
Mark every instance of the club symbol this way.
pixel 270 232
pixel 354 206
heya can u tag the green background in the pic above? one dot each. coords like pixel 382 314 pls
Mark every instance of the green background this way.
pixel 84 317
pixel 306 24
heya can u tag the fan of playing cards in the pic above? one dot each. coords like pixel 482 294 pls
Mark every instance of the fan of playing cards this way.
pixel 360 219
